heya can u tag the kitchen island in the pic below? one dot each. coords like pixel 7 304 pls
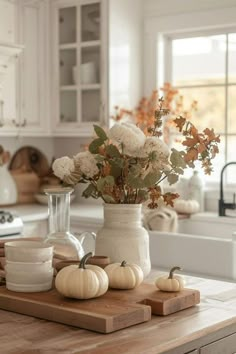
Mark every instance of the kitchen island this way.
pixel 207 328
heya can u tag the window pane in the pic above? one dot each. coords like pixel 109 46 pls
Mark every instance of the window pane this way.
pixel 232 57
pixel 211 107
pixel 231 149
pixel 199 60
pixel 232 109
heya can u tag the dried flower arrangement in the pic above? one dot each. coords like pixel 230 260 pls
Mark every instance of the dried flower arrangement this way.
pixel 127 164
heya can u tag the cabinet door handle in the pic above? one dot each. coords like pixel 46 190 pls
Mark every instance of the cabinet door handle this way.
pixel 19 124
pixel 24 123
pixel 15 123
pixel 1 113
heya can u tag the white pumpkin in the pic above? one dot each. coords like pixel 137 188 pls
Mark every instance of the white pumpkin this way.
pixel 82 283
pixel 123 275
pixel 183 206
pixel 171 282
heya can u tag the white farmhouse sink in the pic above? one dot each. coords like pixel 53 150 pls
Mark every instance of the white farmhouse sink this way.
pixel 205 245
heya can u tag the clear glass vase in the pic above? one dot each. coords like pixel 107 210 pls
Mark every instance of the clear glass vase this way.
pixel 66 245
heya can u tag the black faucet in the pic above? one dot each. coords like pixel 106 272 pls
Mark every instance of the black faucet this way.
pixel 222 205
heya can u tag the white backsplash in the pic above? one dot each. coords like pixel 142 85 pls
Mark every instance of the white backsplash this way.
pixel 45 145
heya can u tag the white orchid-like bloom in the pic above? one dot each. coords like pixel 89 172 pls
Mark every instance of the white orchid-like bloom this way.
pixel 63 167
pixel 86 163
pixel 129 135
pixel 160 152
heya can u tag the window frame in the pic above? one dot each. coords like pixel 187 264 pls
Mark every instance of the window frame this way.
pixel 167 39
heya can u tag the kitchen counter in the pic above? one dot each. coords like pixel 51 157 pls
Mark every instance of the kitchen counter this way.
pixel 35 212
pixel 211 326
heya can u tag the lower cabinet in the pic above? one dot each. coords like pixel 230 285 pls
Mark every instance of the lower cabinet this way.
pixel 225 345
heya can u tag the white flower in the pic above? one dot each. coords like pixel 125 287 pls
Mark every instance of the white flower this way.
pixel 129 135
pixel 63 167
pixel 160 152
pixel 154 144
pixel 86 163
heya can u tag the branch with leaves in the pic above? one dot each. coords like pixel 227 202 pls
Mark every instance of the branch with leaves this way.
pixel 125 166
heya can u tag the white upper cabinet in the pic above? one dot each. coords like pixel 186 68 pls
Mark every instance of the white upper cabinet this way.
pixel 72 48
pixel 33 69
pixel 79 66
pixel 25 89
pixel 8 93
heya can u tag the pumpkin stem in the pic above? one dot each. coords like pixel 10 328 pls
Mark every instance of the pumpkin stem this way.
pixel 84 260
pixel 123 264
pixel 172 272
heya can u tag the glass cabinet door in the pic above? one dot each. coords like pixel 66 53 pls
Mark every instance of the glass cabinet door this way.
pixel 79 63
pixel 67 62
pixel 90 62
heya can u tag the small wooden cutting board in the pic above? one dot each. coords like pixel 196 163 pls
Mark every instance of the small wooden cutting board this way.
pixel 115 310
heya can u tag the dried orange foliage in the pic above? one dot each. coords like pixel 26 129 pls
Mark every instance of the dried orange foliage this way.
pixel 144 114
pixel 199 146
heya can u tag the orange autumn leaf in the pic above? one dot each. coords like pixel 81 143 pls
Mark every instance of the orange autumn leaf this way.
pixel 211 135
pixel 206 165
pixel 179 122
pixel 193 131
pixel 201 148
pixel 106 170
pixel 190 142
pixel 169 198
pixel 214 151
pixel 191 155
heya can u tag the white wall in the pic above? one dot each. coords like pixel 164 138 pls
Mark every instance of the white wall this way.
pixel 7 21
pixel 69 146
pixel 45 145
pixel 155 8
pixel 126 26
pixel 177 16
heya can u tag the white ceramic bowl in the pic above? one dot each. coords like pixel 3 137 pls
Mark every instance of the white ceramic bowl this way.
pixel 28 251
pixel 36 267
pixel 26 288
pixel 28 278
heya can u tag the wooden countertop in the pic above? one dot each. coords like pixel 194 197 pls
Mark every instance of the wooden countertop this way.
pixel 181 332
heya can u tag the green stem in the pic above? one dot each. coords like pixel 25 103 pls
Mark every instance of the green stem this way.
pixel 123 264
pixel 84 260
pixel 172 272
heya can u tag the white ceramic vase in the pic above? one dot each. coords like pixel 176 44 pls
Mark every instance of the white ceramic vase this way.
pixel 8 194
pixel 123 237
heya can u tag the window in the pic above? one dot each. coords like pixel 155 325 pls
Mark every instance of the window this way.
pixel 203 68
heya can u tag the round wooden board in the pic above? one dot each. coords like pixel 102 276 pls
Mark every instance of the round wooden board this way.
pixel 28 159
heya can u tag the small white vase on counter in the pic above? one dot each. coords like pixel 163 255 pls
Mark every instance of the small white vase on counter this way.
pixel 196 191
pixel 8 189
pixel 123 237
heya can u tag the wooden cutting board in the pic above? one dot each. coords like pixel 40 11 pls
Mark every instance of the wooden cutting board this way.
pixel 28 159
pixel 115 310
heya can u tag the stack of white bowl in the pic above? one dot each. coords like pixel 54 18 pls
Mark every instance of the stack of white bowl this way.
pixel 28 266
